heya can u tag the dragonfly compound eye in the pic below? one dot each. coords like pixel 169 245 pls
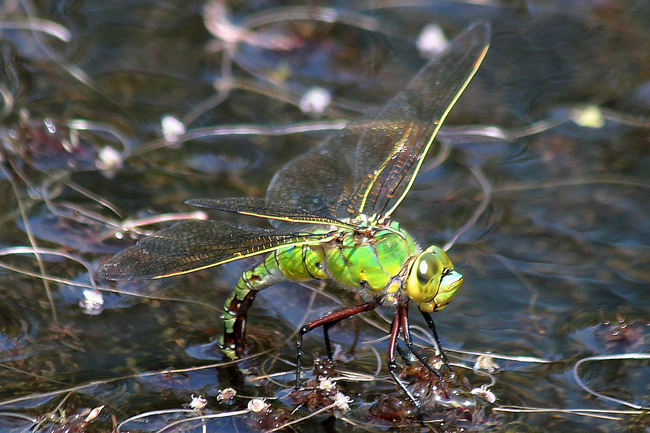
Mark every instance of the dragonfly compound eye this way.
pixel 432 281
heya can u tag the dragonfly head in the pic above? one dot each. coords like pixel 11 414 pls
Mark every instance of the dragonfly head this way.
pixel 432 281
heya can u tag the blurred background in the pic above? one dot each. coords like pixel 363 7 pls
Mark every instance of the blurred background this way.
pixel 112 114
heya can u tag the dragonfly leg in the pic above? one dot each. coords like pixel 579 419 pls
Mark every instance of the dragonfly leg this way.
pixel 256 278
pixel 402 313
pixel 392 364
pixel 432 327
pixel 406 359
pixel 327 322
pixel 326 337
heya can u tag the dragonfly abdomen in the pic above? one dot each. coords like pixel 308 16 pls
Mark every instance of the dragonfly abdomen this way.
pixel 294 263
pixel 302 263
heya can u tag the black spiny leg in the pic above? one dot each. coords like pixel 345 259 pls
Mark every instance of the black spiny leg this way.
pixel 406 359
pixel 404 319
pixel 326 337
pixel 327 322
pixel 432 327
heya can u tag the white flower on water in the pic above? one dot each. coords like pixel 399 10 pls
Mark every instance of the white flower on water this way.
pixel 92 302
pixel 198 402
pixel 257 405
pixel 432 40
pixel 172 128
pixel 108 159
pixel 315 101
pixel 226 395
pixel 485 393
pixel 342 402
pixel 326 384
pixel 486 363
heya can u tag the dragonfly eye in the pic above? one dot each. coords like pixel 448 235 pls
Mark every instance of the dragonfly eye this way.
pixel 432 281
pixel 428 267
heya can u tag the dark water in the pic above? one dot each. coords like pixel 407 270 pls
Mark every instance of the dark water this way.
pixel 556 266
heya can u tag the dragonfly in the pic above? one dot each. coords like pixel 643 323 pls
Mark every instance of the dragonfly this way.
pixel 331 215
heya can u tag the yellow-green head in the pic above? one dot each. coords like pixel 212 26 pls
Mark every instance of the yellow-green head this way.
pixel 432 281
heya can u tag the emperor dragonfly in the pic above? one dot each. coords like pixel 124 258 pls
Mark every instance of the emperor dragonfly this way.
pixel 331 211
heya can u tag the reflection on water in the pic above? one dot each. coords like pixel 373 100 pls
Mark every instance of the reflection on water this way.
pixel 556 266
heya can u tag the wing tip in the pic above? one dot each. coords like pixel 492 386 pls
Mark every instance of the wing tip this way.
pixel 198 202
pixel 112 271
pixel 477 31
pixel 124 267
pixel 105 273
pixel 481 23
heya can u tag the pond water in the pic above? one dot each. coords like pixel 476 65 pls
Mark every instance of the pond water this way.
pixel 543 198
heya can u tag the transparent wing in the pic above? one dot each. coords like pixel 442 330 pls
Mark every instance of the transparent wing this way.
pixel 193 245
pixel 316 179
pixel 265 208
pixel 369 167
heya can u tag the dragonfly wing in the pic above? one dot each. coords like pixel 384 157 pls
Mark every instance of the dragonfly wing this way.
pixel 192 245
pixel 316 179
pixel 266 208
pixel 394 142
pixel 368 167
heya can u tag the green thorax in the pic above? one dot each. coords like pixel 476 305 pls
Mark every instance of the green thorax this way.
pixel 373 260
